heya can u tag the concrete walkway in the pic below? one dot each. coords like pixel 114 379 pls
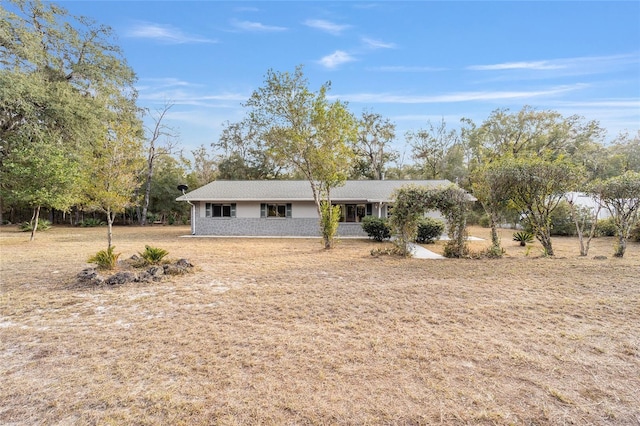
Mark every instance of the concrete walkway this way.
pixel 419 252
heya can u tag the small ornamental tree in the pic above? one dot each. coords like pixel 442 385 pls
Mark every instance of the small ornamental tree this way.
pixel 534 187
pixel 621 196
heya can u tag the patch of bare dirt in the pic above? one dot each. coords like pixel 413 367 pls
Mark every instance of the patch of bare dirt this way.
pixel 280 331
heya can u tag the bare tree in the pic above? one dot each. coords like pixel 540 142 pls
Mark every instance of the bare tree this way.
pixel 430 147
pixel 155 149
pixel 372 148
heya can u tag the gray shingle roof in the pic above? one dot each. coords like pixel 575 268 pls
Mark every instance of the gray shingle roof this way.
pixel 300 190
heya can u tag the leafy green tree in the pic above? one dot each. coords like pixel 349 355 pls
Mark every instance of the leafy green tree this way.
pixel 169 174
pixel 623 155
pixel 621 196
pixel 529 132
pixel 487 187
pixel 42 174
pixel 112 175
pixel 304 131
pixel 61 79
pixel 372 147
pixel 245 155
pixel 534 187
pixel 202 169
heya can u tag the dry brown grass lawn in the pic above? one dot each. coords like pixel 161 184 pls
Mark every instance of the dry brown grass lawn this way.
pixel 279 331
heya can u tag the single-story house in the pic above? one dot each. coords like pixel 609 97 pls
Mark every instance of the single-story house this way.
pixel 286 207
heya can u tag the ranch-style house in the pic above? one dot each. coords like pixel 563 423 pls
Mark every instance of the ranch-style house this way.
pixel 286 207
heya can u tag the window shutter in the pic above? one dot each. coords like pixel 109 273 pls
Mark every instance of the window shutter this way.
pixel 289 210
pixel 207 211
pixel 369 209
pixel 233 210
pixel 263 210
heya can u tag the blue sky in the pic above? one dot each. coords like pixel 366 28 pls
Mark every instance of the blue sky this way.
pixel 409 61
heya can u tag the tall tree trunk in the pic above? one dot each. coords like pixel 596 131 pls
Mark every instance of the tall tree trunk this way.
pixel 495 239
pixel 147 186
pixel 621 245
pixel 545 240
pixel 34 222
pixel 110 217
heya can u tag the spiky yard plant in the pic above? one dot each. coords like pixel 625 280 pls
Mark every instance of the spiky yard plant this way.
pixel 153 255
pixel 105 259
pixel 523 237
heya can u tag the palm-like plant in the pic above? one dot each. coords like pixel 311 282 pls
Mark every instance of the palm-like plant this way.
pixel 523 237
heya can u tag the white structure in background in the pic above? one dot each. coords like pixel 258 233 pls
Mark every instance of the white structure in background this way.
pixel 580 199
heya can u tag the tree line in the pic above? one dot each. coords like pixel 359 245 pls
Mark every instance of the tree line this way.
pixel 72 139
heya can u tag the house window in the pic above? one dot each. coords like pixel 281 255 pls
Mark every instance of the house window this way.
pixel 275 210
pixel 354 212
pixel 220 210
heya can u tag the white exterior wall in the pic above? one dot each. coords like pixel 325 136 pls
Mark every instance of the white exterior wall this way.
pixel 304 210
pixel 247 209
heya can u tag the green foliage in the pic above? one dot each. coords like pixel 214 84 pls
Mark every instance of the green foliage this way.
pixel 410 204
pixel 306 132
pixel 329 222
pixel 561 222
pixel 429 230
pixel 534 187
pixel 621 196
pixel 61 78
pixel 105 259
pixel 635 233
pixel 484 221
pixel 43 225
pixel 606 227
pixel 91 222
pixel 523 237
pixel 376 228
pixel 153 255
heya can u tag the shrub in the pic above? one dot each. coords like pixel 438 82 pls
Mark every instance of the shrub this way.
pixel 561 222
pixel 153 255
pixel 105 259
pixel 484 221
pixel 43 225
pixel 376 228
pixel 635 233
pixel 523 237
pixel 152 218
pixel 429 230
pixel 91 222
pixel 606 228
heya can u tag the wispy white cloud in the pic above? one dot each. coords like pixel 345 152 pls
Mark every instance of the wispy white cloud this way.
pixel 165 34
pixel 403 68
pixel 478 96
pixel 534 65
pixel 336 59
pixel 326 26
pixel 584 64
pixel 251 26
pixel 377 44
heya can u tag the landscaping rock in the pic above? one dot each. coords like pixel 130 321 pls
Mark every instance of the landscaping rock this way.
pixel 156 272
pixel 122 277
pixel 129 273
